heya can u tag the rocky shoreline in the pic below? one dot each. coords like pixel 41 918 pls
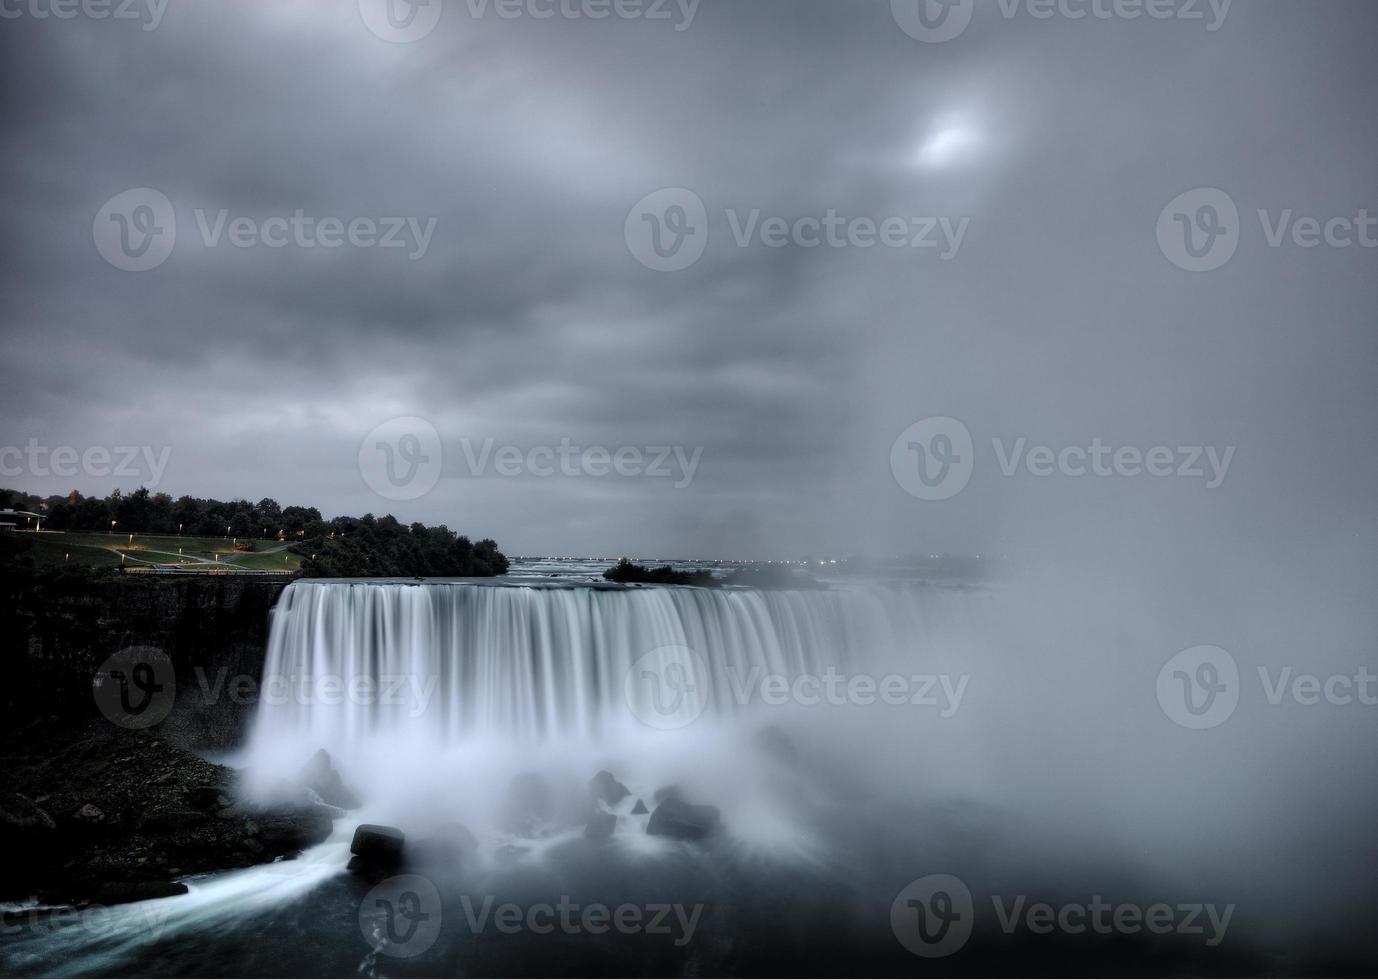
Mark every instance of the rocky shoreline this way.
pixel 110 815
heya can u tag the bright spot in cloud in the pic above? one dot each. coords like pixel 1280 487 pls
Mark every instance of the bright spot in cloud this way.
pixel 949 142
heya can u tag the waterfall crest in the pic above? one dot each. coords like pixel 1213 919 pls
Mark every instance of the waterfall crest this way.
pixel 451 660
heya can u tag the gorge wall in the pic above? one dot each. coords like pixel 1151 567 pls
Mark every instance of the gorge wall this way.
pixel 59 628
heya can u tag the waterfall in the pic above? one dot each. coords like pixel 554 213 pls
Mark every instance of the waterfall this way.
pixel 445 661
pixel 407 684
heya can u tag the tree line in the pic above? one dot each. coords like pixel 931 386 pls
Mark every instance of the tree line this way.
pixel 341 546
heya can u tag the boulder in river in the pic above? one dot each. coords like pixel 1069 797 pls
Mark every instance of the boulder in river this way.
pixel 321 778
pixel 683 821
pixel 376 848
pixel 606 789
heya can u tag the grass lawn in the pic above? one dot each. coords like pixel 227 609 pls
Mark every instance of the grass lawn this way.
pixel 150 549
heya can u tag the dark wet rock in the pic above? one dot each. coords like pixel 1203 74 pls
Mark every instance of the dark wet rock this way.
pixel 127 807
pixel 600 825
pixel 21 817
pixel 606 789
pixel 170 820
pixel 89 813
pixel 203 797
pixel 28 832
pixel 683 821
pixel 321 778
pixel 640 809
pixel 377 848
pixel 665 793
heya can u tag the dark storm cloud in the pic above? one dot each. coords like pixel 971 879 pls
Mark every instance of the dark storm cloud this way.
pixel 528 321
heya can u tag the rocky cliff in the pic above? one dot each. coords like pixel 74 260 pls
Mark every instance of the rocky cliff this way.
pixel 59 629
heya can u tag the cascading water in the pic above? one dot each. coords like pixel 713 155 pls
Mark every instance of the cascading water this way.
pixel 540 663
pixel 406 684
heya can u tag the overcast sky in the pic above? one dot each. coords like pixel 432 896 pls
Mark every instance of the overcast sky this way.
pixel 1042 150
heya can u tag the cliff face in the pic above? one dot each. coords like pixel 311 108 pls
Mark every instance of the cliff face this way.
pixel 59 630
